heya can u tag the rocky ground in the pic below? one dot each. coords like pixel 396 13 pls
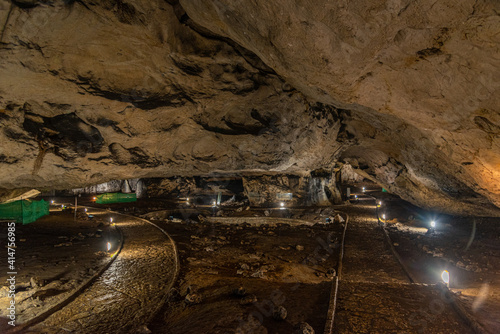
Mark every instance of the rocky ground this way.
pixel 236 277
pixel 54 256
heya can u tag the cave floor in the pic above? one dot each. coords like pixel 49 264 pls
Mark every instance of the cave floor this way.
pixel 278 265
pixel 54 256
pixel 123 298
pixel 233 275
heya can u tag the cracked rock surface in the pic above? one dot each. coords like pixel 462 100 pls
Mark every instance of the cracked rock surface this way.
pixel 405 91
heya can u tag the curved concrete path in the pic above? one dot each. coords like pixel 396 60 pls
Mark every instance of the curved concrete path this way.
pixel 130 291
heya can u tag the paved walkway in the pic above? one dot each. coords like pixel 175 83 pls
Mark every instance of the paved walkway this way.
pixel 129 292
pixel 375 295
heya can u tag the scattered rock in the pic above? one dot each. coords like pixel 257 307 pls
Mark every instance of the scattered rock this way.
pixel 192 289
pixel 65 244
pixel 338 219
pixel 303 328
pixel 299 247
pixel 143 330
pixel 240 292
pixel 258 274
pixel 280 313
pixel 249 299
pixel 193 298
pixel 4 291
pixel 266 213
pixel 36 282
pixel 245 266
pixel 396 244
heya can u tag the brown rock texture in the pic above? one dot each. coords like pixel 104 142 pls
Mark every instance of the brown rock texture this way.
pixel 405 91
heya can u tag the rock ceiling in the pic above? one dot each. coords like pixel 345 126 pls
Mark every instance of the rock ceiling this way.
pixel 406 91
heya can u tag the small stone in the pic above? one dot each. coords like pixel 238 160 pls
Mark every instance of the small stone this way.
pixel 396 244
pixel 258 274
pixel 299 247
pixel 36 282
pixel 266 213
pixel 331 272
pixel 143 330
pixel 280 313
pixel 4 291
pixel 303 328
pixel 338 219
pixel 240 292
pixel 245 266
pixel 249 299
pixel 193 298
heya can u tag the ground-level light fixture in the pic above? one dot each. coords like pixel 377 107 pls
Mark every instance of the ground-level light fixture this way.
pixel 445 276
pixel 51 202
pixel 282 205
pixel 85 209
pixel 214 203
pixel 383 216
pixel 111 219
pixel 94 198
pixel 108 246
pixel 355 196
pixel 380 203
pixel 363 189
pixel 433 224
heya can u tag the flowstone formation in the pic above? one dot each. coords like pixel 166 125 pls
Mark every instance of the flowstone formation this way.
pixel 406 92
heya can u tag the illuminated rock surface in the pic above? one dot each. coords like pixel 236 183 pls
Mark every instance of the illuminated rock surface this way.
pixel 406 91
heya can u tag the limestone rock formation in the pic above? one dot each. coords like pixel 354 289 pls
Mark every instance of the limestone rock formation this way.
pixel 405 91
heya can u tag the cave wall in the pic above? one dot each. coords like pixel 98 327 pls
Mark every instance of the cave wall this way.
pixel 292 190
pixel 406 91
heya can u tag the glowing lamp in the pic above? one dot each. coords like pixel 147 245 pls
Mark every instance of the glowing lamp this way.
pixel 214 203
pixel 383 216
pixel 94 198
pixel 108 245
pixel 433 224
pixel 445 276
pixel 380 203
pixel 110 220
pixel 51 202
pixel 282 204
pixel 355 196
pixel 187 199
pixel 363 189
pixel 85 209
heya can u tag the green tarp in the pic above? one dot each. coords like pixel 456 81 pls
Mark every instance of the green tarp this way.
pixel 24 211
pixel 115 198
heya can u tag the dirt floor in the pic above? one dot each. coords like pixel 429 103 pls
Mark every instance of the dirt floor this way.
pixel 238 276
pixel 54 256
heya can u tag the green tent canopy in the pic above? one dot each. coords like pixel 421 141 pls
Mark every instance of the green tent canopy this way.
pixel 115 198
pixel 24 211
